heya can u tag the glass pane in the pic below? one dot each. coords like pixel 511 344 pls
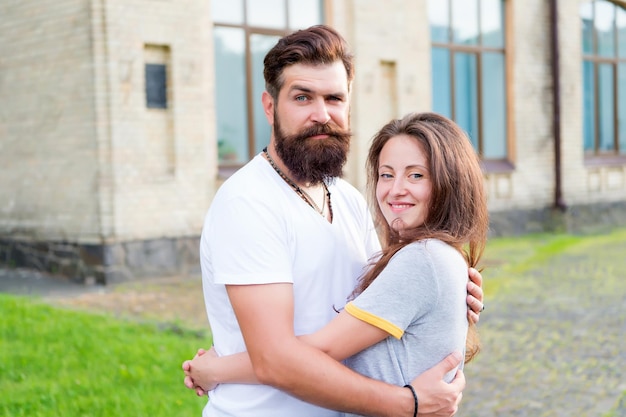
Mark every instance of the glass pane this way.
pixel 441 89
pixel 586 16
pixel 605 30
pixel 493 106
pixel 465 21
pixel 227 11
pixel 439 18
pixel 305 13
pixel 589 117
pixel 621 106
pixel 230 92
pixel 605 107
pixel 620 21
pixel 465 97
pixel 492 22
pixel 260 45
pixel 267 13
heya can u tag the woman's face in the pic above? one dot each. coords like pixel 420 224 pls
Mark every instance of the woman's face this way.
pixel 404 187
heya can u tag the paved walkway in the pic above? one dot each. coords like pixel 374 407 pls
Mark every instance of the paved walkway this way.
pixel 554 340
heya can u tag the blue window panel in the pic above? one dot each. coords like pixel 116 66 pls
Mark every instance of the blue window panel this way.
pixel 465 95
pixel 260 45
pixel 305 13
pixel 620 22
pixel 492 23
pixel 605 103
pixel 439 18
pixel 442 97
pixel 586 15
pixel 227 11
pixel 267 13
pixel 621 107
pixel 230 92
pixel 493 106
pixel 589 119
pixel 605 28
pixel 465 29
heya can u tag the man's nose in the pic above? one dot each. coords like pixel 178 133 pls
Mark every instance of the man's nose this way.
pixel 320 113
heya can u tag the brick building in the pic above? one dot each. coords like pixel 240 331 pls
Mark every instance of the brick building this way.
pixel 120 118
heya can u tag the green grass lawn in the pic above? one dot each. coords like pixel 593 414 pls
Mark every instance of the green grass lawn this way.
pixel 56 362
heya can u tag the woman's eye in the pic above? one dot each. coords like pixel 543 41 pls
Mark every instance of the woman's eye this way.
pixel 416 176
pixel 385 175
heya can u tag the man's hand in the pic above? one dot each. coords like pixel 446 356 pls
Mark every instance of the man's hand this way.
pixel 189 381
pixel 436 397
pixel 474 296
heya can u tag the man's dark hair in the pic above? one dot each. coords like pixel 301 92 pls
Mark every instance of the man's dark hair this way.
pixel 317 45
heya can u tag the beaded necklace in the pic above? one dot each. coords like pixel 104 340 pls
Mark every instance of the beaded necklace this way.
pixel 303 194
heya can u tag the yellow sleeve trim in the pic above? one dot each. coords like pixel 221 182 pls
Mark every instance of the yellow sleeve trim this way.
pixel 376 321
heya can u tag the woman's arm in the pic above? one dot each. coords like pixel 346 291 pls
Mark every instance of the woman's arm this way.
pixel 344 336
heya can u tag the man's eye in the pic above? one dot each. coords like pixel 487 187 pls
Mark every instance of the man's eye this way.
pixel 301 98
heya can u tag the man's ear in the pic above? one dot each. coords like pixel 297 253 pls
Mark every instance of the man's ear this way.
pixel 268 107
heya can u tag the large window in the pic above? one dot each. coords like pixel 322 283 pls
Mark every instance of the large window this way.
pixel 468 70
pixel 604 78
pixel 244 30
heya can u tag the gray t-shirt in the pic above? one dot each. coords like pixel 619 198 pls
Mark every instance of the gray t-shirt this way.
pixel 420 300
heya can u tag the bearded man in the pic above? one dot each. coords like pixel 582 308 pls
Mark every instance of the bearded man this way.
pixel 283 244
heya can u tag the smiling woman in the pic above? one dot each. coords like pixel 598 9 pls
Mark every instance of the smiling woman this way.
pixel 404 187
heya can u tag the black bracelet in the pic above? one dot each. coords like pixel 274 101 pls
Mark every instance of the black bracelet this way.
pixel 414 397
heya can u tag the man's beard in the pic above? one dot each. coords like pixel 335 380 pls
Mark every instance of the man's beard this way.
pixel 312 160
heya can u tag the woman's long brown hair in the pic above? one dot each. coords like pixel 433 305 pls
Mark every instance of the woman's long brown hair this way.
pixel 458 212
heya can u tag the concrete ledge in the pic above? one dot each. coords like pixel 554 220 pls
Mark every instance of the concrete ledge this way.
pixel 107 263
pixel 593 218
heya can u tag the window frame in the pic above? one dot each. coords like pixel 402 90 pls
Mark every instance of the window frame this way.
pixel 506 163
pixel 597 157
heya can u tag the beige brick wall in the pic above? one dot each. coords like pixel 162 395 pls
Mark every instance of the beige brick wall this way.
pixel 82 158
pixel 150 199
pixel 48 158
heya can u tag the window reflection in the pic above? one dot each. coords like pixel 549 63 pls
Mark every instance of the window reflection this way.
pixel 230 11
pixel 439 17
pixel 604 22
pixel 468 71
pixel 230 92
pixel 603 26
pixel 304 13
pixel 260 45
pixel 267 13
pixel 465 21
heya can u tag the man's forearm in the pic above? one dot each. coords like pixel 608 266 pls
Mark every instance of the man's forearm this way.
pixel 314 377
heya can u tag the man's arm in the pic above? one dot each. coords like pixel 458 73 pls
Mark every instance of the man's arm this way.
pixel 280 359
pixel 474 295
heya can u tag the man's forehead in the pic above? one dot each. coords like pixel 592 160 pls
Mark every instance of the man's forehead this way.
pixel 323 79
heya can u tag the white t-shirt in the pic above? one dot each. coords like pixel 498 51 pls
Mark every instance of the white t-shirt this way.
pixel 258 231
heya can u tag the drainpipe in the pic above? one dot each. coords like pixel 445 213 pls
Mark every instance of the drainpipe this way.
pixel 559 203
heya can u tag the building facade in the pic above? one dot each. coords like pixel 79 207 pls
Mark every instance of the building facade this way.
pixel 120 119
